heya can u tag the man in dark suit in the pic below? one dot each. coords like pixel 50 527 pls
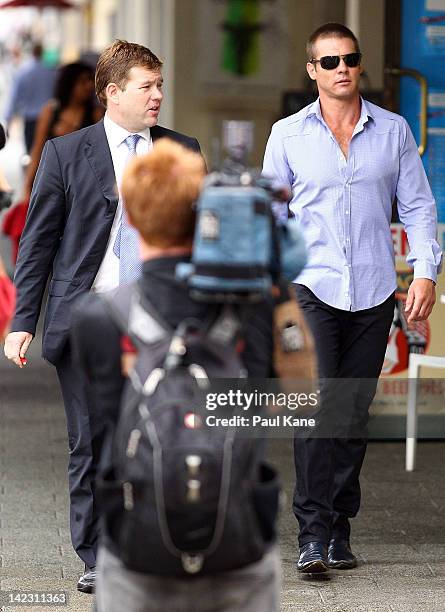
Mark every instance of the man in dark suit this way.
pixel 77 235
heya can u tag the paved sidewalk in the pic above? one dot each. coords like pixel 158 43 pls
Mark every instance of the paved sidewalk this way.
pixel 400 534
pixel 35 548
pixel 399 537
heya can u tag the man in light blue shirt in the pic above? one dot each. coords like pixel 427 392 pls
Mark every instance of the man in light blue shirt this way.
pixel 346 161
pixel 32 87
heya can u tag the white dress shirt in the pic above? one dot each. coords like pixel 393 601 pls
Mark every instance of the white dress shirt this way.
pixel 107 277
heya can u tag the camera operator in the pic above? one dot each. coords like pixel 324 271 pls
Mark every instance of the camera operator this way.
pixel 159 190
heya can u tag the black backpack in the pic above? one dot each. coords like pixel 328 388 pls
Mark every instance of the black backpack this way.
pixel 179 499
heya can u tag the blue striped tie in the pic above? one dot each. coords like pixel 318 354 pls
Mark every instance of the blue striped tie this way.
pixel 126 244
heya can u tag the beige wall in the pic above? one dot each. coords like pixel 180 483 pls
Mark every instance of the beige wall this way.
pixel 200 112
pixel 372 40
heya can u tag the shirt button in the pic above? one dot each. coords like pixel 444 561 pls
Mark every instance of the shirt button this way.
pixel 347 212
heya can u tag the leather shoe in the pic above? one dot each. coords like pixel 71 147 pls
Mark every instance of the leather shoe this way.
pixel 340 555
pixel 313 558
pixel 87 580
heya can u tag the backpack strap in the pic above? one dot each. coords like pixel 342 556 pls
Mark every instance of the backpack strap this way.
pixel 145 324
pixel 117 303
pixel 137 318
pixel 225 327
pixel 134 316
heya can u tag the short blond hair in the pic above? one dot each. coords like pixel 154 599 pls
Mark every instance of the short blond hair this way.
pixel 159 190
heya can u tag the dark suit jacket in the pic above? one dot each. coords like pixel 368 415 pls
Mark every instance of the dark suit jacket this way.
pixel 72 208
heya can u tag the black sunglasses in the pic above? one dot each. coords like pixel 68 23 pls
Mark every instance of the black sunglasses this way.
pixel 329 62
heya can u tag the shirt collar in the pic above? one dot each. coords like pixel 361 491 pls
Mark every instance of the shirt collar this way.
pixel 315 110
pixel 365 113
pixel 116 134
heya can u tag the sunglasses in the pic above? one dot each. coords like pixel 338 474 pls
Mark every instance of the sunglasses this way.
pixel 330 62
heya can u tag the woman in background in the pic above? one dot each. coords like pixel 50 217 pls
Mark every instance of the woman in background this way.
pixel 72 108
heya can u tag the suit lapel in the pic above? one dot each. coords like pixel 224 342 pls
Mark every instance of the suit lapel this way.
pixel 98 154
pixel 156 132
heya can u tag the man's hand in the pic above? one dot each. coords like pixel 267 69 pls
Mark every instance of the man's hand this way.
pixel 16 345
pixel 421 299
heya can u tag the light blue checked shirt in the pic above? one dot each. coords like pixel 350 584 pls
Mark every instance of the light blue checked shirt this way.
pixel 344 205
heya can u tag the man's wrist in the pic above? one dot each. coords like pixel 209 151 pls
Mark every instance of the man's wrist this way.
pixel 426 278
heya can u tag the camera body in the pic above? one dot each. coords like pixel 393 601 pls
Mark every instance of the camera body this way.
pixel 239 248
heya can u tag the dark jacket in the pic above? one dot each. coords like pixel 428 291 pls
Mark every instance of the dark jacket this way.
pixel 97 339
pixel 72 208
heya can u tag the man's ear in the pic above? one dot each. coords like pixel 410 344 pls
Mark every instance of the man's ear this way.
pixel 112 92
pixel 311 71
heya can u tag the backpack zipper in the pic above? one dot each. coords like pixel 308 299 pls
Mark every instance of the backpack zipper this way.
pixel 133 443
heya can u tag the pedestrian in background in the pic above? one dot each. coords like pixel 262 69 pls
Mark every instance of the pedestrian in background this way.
pixel 32 87
pixel 72 107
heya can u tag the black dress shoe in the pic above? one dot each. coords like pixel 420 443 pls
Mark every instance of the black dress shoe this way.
pixel 87 580
pixel 313 558
pixel 340 555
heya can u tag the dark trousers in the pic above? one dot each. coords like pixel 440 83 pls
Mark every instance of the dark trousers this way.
pixel 29 131
pixel 85 435
pixel 349 345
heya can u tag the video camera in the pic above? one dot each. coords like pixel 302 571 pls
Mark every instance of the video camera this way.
pixel 240 249
pixel 235 171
